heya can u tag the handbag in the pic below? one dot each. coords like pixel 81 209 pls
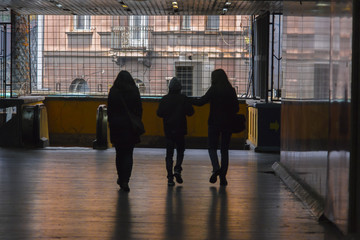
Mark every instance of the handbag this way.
pixel 136 122
pixel 238 123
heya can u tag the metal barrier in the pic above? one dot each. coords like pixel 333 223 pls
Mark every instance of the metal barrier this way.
pixel 102 132
pixel 10 122
pixel 34 126
pixel 23 122
pixel 264 127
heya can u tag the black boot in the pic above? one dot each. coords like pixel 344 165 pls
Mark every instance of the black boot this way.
pixel 214 175
pixel 223 181
pixel 124 186
pixel 178 177
pixel 171 181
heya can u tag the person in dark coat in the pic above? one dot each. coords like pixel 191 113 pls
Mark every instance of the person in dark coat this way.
pixel 173 108
pixel 223 106
pixel 123 91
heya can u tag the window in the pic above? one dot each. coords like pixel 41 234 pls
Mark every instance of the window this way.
pixel 185 76
pixel 213 22
pixel 322 80
pixel 185 23
pixel 135 23
pixel 105 39
pixel 82 22
pixel 139 31
pixel 5 16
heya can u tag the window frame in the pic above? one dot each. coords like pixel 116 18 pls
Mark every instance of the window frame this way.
pixel 87 23
pixel 210 22
pixel 186 22
pixel 142 38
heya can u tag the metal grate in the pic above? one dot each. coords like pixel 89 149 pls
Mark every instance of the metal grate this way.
pixel 151 48
pixel 185 76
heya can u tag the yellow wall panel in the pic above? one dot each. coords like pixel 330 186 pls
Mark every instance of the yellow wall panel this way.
pixel 67 116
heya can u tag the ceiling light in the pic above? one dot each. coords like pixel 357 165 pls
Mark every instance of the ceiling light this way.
pixel 227 3
pixel 59 5
pixel 323 4
pixel 123 4
pixel 175 6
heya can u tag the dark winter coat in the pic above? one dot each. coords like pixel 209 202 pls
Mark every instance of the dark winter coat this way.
pixel 119 121
pixel 223 105
pixel 173 108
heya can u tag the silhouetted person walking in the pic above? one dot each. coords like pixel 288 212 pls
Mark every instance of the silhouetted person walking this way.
pixel 173 108
pixel 124 97
pixel 223 105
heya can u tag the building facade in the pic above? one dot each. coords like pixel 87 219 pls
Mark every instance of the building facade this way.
pixel 83 54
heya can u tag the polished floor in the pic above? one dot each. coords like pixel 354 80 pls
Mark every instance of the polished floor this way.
pixel 70 193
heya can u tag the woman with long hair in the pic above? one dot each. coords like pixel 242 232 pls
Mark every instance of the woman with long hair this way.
pixel 124 98
pixel 223 106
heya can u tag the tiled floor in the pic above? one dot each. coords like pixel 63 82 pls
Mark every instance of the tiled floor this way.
pixel 70 193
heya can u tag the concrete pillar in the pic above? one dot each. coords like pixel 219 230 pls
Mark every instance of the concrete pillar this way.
pixel 20 49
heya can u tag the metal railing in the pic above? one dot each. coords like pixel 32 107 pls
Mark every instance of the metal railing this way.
pixel 130 37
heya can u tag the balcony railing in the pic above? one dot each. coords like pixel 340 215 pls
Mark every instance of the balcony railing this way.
pixel 130 37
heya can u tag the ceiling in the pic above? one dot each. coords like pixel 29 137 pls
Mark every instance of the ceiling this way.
pixel 140 7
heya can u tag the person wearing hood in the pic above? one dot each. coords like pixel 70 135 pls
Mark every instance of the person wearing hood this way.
pixel 124 97
pixel 173 108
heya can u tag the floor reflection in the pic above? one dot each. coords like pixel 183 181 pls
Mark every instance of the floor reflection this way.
pixel 218 214
pixel 47 194
pixel 123 218
pixel 174 215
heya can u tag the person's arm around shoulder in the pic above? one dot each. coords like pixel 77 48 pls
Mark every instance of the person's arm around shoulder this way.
pixel 204 99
